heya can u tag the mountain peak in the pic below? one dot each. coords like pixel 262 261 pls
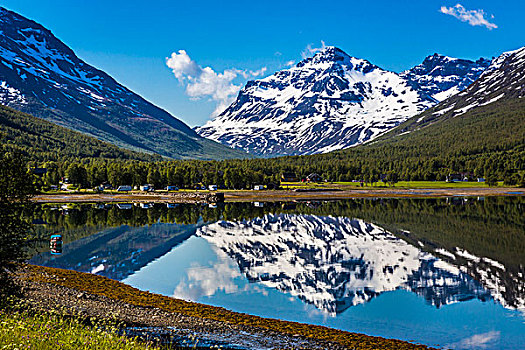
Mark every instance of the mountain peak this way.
pixel 332 56
pixel 436 57
pixel 333 101
pixel 332 52
pixel 441 76
pixel 329 54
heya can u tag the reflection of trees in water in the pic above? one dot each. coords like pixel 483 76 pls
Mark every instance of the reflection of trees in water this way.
pixel 491 227
pixel 15 188
pixel 118 252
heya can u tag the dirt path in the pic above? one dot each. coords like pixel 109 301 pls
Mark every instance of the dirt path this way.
pixel 281 195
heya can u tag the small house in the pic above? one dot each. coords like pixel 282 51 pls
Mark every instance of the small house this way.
pixel 481 179
pixel 147 187
pixel 171 188
pixel 454 178
pixel 171 205
pixel 289 177
pixel 125 206
pixel 124 188
pixel 258 187
pixel 314 177
pixel 258 204
pixel 212 187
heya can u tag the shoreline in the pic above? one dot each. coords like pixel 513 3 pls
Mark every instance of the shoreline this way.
pixel 277 195
pixel 87 295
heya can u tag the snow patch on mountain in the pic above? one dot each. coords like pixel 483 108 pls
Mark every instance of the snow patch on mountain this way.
pixel 8 94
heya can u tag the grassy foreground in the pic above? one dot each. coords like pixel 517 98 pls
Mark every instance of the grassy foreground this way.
pixel 20 329
pixel 115 290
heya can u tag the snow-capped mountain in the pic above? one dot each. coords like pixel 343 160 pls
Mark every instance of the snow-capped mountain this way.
pixel 332 101
pixel 40 75
pixel 441 76
pixel 337 262
pixel 503 80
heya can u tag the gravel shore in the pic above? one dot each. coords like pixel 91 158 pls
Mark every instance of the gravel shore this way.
pixel 47 289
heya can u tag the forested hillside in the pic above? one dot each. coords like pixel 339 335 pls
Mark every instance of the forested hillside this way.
pixel 488 141
pixel 40 140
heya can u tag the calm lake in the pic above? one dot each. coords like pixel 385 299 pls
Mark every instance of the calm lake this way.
pixel 448 273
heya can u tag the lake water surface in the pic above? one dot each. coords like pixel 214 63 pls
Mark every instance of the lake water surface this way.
pixel 443 272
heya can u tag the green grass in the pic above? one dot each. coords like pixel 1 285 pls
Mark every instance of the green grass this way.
pixel 425 184
pixel 25 330
pixel 400 184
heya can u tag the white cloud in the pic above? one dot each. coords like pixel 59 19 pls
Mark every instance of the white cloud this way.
pixel 477 341
pixel 203 281
pixel 289 63
pixel 205 82
pixel 473 17
pixel 182 65
pixel 309 50
pixel 256 73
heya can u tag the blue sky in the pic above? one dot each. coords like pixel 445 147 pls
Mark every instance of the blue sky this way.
pixel 238 40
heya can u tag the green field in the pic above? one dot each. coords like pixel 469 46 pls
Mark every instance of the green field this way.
pixel 400 184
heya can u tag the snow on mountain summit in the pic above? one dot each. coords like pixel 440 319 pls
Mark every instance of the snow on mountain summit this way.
pixel 326 102
pixel 441 76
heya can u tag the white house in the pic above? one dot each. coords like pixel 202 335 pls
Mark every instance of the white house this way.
pixel 147 187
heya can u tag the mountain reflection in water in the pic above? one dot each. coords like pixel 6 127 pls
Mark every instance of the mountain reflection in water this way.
pixel 446 270
pixel 337 262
